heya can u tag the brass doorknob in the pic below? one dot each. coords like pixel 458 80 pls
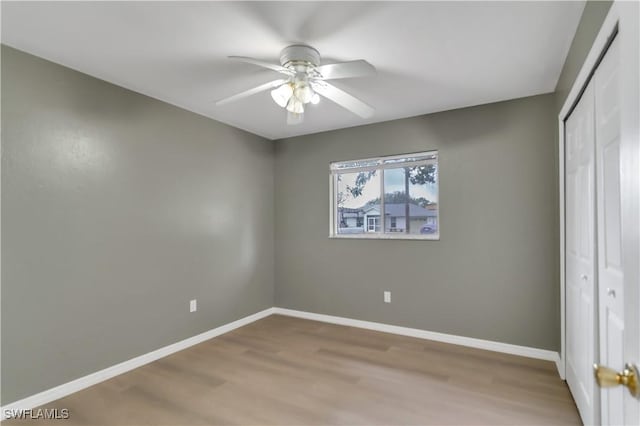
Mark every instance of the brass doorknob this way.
pixel 607 377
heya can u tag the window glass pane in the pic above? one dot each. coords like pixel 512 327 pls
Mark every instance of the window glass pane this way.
pixel 416 213
pixel 354 192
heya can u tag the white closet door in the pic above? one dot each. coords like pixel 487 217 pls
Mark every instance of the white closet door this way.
pixel 580 254
pixel 610 271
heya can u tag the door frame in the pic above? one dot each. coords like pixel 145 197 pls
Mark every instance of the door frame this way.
pixel 622 21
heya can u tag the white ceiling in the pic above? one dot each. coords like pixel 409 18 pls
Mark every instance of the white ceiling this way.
pixel 430 56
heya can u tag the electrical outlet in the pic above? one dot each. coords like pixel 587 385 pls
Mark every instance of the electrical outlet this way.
pixel 193 305
pixel 387 297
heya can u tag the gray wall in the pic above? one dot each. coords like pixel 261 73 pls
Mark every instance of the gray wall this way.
pixel 117 209
pixel 494 273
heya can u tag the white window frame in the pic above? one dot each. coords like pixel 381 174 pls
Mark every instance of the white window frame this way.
pixel 380 163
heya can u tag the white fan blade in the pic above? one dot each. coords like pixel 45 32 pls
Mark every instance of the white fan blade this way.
pixel 359 68
pixel 293 119
pixel 262 64
pixel 343 99
pixel 266 86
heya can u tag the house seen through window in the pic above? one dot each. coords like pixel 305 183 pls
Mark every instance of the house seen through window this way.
pixel 386 197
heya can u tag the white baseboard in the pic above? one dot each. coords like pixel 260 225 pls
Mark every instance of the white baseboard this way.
pixel 102 375
pixel 560 366
pixel 428 335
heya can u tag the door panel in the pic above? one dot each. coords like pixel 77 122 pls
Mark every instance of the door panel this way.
pixel 580 254
pixel 610 272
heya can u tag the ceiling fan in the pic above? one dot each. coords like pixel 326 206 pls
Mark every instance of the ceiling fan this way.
pixel 305 80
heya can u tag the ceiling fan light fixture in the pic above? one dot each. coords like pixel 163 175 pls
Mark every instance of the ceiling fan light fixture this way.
pixel 303 92
pixel 295 106
pixel 293 119
pixel 282 94
pixel 305 82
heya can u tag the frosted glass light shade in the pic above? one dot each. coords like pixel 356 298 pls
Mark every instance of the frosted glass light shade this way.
pixel 282 94
pixel 293 119
pixel 304 93
pixel 295 106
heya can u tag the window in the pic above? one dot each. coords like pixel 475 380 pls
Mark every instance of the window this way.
pixel 386 197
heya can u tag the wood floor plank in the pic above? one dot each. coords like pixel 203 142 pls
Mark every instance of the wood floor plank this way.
pixel 289 371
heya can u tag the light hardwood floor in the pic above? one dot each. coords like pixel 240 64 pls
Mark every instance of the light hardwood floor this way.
pixel 288 371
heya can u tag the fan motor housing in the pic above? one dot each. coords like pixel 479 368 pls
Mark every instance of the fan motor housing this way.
pixel 299 53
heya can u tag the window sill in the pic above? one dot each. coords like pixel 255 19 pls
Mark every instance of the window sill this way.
pixel 384 237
